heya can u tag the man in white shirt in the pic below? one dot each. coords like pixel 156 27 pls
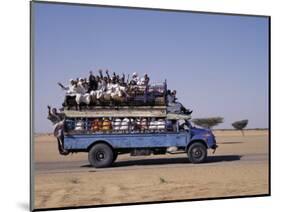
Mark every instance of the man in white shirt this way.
pixel 144 80
pixel 135 79
pixel 80 87
pixel 71 89
pixel 70 94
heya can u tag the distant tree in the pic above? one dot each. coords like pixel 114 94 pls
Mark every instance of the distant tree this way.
pixel 240 125
pixel 208 122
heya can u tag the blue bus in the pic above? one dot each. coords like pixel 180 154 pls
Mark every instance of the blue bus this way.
pixel 103 147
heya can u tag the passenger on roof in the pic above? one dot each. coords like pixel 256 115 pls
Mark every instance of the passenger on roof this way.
pixel 170 98
pixel 71 89
pixel 135 79
pixel 100 72
pixel 82 86
pixel 93 84
pixel 98 82
pixel 102 82
pixel 144 80
pixel 122 81
pixel 174 106
pixel 71 92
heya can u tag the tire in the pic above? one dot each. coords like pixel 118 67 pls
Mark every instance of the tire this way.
pixel 197 153
pixel 100 156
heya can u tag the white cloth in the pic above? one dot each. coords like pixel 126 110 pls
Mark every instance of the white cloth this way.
pixel 141 81
pixel 116 124
pixel 71 90
pixel 99 93
pixel 85 98
pixel 58 129
pixel 102 85
pixel 80 88
pixel 109 87
pixel 136 79
pixel 125 124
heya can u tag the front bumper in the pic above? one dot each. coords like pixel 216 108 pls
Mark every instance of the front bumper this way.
pixel 214 147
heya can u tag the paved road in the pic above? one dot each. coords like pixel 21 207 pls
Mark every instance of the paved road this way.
pixel 125 162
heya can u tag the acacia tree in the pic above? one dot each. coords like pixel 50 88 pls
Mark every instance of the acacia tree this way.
pixel 208 122
pixel 240 125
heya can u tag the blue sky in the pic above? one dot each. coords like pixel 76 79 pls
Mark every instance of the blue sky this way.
pixel 217 63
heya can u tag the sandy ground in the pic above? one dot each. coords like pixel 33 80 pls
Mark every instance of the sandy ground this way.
pixel 239 167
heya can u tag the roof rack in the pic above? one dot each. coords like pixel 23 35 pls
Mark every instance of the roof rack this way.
pixel 140 111
pixel 122 112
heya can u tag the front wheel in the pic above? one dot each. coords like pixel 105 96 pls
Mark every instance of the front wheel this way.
pixel 197 153
pixel 100 156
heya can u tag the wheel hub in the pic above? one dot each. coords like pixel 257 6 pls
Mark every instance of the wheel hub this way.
pixel 197 153
pixel 100 156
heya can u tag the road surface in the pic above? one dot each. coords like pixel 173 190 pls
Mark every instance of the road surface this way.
pixel 238 167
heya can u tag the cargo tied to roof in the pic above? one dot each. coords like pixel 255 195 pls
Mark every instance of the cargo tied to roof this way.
pixel 117 90
pixel 113 96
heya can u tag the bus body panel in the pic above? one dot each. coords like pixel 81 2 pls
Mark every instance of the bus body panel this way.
pixel 150 140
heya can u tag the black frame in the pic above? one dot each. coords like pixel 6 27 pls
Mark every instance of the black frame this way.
pixel 31 89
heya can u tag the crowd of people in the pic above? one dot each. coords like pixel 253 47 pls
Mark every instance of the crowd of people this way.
pixel 103 87
pixel 116 88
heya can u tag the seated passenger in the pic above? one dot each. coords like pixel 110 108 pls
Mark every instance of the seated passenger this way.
pixel 71 92
pixel 170 98
pixel 71 89
pixel 93 84
pixel 175 107
pixel 144 80
pixel 81 86
pixel 122 81
pixel 135 79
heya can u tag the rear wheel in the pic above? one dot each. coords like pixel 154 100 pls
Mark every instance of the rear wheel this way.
pixel 100 156
pixel 197 153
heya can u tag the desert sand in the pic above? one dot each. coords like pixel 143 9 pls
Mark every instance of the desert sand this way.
pixel 239 167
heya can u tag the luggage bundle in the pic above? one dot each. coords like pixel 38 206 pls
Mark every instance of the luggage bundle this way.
pixel 115 125
pixel 111 105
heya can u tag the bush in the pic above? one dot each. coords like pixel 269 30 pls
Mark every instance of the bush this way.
pixel 208 122
pixel 240 125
